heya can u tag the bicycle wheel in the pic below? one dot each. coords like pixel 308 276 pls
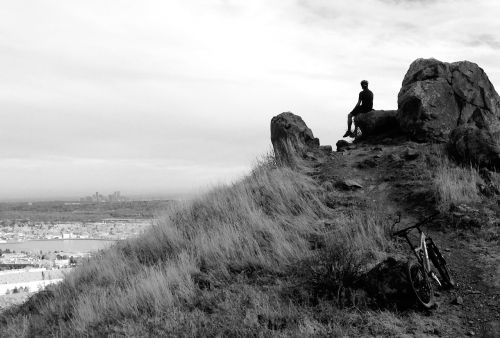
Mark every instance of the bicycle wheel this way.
pixel 421 284
pixel 440 264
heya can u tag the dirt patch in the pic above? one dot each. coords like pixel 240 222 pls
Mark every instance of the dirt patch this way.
pixel 475 265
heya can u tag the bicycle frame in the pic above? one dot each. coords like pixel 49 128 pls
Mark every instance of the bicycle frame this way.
pixel 422 254
pixel 420 274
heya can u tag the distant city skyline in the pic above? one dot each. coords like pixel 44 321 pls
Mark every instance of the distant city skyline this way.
pixel 76 198
pixel 169 98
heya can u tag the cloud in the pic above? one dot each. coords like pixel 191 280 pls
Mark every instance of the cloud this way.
pixel 488 40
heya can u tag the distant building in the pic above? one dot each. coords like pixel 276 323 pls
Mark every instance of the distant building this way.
pixel 98 198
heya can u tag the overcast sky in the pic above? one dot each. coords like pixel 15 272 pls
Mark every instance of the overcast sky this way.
pixel 169 97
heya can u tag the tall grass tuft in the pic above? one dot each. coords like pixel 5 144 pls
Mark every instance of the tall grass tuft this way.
pixel 356 241
pixel 495 179
pixel 455 184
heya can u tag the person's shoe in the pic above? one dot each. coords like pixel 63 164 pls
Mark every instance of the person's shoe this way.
pixel 347 134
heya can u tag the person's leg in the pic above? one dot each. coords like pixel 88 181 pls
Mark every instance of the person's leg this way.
pixel 356 129
pixel 349 122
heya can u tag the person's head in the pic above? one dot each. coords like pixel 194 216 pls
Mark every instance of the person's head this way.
pixel 364 84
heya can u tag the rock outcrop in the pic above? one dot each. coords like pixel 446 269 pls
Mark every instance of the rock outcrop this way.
pixel 377 122
pixel 292 139
pixel 455 103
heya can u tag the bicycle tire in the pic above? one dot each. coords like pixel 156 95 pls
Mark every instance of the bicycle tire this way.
pixel 420 284
pixel 439 263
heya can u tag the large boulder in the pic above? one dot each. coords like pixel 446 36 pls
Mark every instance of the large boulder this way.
pixel 427 109
pixel 455 103
pixel 377 122
pixel 291 138
pixel 437 96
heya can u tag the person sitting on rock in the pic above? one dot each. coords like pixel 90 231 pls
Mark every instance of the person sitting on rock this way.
pixel 364 105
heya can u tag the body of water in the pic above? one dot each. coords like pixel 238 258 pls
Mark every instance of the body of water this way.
pixel 65 245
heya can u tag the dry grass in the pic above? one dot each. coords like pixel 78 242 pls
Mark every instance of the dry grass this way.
pixel 495 180
pixel 226 263
pixel 455 184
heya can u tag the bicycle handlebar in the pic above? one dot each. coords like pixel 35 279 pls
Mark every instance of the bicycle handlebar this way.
pixel 403 232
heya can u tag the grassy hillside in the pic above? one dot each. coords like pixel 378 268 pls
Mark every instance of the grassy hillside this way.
pixel 254 256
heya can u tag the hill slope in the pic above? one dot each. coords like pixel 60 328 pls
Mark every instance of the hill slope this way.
pixel 280 252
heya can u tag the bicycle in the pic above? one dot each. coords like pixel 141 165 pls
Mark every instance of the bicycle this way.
pixel 419 272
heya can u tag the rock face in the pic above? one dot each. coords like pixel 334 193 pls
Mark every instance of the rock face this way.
pixel 427 108
pixel 452 102
pixel 291 138
pixel 437 96
pixel 377 122
pixel 478 140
